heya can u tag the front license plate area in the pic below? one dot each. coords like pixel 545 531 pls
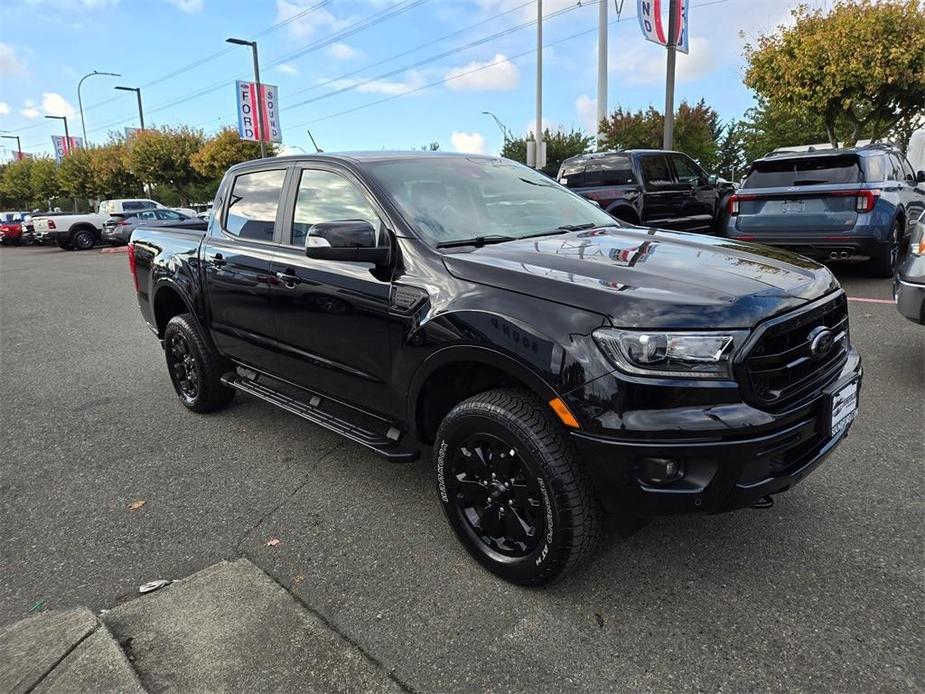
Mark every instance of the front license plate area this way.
pixel 843 407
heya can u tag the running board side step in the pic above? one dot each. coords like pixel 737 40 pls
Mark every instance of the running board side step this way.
pixel 385 445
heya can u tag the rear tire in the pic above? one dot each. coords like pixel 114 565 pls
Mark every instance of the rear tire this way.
pixel 83 240
pixel 195 369
pixel 886 261
pixel 512 489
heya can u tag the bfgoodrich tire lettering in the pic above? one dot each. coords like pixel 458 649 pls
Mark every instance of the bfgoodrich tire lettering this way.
pixel 195 369
pixel 529 514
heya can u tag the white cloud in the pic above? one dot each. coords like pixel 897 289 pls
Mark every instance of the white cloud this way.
pixel 414 80
pixel 343 51
pixel 471 143
pixel 11 65
pixel 302 23
pixel 75 5
pixel 586 108
pixel 4 108
pixel 29 110
pixel 287 69
pixel 188 6
pixel 56 105
pixel 647 64
pixel 497 74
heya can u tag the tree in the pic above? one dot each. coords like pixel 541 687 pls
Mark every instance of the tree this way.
pixel 16 184
pixel 222 151
pixel 164 157
pixel 75 175
pixel 730 158
pixel 766 127
pixel 697 129
pixel 861 65
pixel 45 185
pixel 111 176
pixel 560 145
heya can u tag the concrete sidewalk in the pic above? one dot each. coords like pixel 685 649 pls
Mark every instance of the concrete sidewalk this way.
pixel 227 628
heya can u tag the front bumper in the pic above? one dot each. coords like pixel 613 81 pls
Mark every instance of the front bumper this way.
pixel 721 473
pixel 910 300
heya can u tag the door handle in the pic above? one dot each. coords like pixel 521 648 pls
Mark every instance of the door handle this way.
pixel 289 278
pixel 218 260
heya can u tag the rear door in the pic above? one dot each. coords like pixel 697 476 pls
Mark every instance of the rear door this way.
pixel 663 197
pixel 912 193
pixel 800 195
pixel 236 255
pixel 332 316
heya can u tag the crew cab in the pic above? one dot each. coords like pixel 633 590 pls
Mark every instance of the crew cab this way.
pixel 649 187
pixel 557 362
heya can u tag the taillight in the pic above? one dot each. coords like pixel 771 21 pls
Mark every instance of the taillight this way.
pixel 131 264
pixel 733 205
pixel 866 200
pixel 51 224
pixel 123 223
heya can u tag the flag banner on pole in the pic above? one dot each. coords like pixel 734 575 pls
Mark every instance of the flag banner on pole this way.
pixel 248 123
pixel 63 147
pixel 654 23
pixel 131 132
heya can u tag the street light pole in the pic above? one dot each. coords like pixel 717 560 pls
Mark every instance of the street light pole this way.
pixel 601 70
pixel 259 104
pixel 668 140
pixel 538 136
pixel 504 131
pixel 18 145
pixel 67 134
pixel 141 113
pixel 80 102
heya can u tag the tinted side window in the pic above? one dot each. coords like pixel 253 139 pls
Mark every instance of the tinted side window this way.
pixel 147 214
pixel 896 169
pixel 327 197
pixel 875 168
pixel 252 204
pixel 572 174
pixel 614 171
pixel 655 170
pixel 687 170
pixel 134 205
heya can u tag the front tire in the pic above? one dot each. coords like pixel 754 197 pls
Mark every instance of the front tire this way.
pixel 195 369
pixel 512 490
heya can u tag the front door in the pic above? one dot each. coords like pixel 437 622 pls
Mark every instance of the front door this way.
pixel 698 195
pixel 332 316
pixel 236 259
pixel 663 200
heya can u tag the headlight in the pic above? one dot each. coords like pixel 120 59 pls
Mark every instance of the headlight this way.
pixel 654 353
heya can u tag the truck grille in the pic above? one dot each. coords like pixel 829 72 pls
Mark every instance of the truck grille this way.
pixel 780 368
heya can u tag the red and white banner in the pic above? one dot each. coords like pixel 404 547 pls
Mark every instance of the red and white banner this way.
pixel 250 127
pixel 654 22
pixel 63 146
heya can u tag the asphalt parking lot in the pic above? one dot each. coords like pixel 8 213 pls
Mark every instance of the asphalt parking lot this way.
pixel 822 593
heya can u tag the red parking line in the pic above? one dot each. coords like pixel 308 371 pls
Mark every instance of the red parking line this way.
pixel 871 301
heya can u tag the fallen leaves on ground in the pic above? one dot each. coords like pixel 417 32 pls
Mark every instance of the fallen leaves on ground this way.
pixel 136 504
pixel 298 580
pixel 272 542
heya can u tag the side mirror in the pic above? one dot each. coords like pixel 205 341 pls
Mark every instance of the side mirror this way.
pixel 350 240
pixel 920 177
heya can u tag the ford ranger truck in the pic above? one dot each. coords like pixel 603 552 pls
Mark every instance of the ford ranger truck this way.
pixel 556 364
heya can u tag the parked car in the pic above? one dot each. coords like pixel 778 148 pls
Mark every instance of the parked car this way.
pixel 11 228
pixel 121 206
pixel 118 229
pixel 668 190
pixel 556 359
pixel 909 285
pixel 83 231
pixel 831 205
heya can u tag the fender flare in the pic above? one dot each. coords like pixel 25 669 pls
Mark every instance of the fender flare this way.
pixel 473 353
pixel 622 205
pixel 168 283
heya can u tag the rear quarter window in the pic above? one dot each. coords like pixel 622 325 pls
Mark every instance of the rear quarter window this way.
pixel 784 173
pixel 616 171
pixel 572 174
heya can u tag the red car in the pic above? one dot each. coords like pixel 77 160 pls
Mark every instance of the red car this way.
pixel 11 227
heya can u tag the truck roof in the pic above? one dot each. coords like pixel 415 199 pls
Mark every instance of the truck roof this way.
pixel 365 157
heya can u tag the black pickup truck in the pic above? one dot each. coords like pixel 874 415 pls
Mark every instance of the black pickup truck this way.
pixel 560 364
pixel 651 187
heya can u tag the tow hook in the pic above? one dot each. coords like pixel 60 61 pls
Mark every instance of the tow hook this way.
pixel 767 501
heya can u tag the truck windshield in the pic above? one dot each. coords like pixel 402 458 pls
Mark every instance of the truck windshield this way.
pixel 783 173
pixel 453 198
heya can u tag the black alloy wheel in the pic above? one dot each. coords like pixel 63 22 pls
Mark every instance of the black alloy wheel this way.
pixel 83 240
pixel 496 494
pixel 183 369
pixel 195 368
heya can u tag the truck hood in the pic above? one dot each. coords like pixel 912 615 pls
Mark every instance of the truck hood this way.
pixel 650 278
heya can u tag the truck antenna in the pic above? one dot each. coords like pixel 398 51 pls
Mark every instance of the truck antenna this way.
pixel 317 148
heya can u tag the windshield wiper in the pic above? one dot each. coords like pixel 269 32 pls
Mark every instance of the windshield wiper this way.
pixel 477 241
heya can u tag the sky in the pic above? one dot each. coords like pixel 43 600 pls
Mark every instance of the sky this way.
pixel 360 74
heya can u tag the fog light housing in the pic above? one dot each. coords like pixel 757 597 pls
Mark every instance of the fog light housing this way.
pixel 659 471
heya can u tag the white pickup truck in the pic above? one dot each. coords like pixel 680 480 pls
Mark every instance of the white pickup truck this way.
pixel 84 231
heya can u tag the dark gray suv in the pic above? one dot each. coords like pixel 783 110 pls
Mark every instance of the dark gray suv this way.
pixel 831 204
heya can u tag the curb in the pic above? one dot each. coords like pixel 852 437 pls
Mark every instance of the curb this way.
pixel 115 249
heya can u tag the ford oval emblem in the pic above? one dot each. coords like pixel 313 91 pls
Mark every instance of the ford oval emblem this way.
pixel 820 342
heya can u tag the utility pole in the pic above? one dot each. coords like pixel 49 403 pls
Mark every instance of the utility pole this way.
pixel 538 136
pixel 141 113
pixel 668 142
pixel 18 145
pixel 259 104
pixel 601 70
pixel 80 102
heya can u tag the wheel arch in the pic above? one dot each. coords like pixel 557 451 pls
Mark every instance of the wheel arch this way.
pixel 453 374
pixel 624 212
pixel 168 301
